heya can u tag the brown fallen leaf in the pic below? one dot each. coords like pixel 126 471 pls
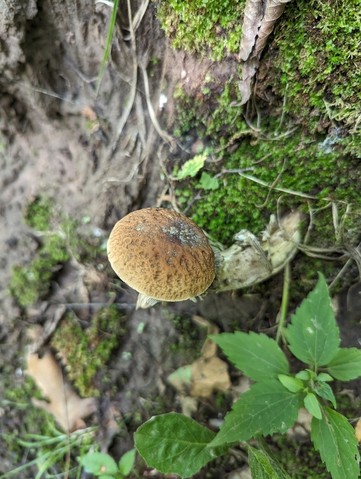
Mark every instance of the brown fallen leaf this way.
pixel 209 375
pixel 63 402
pixel 273 11
pixel 260 17
pixel 206 374
pixel 253 12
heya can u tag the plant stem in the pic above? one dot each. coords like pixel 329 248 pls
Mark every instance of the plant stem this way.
pixel 284 304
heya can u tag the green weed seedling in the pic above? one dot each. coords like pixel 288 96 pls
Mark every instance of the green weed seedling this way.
pixel 173 443
pixel 102 465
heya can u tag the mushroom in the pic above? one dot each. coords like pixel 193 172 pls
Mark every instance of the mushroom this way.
pixel 161 254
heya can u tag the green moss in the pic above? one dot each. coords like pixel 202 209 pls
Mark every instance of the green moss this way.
pixel 294 163
pixel 317 59
pixel 39 213
pixel 278 155
pixel 59 242
pixel 85 351
pixel 32 282
pixel 206 26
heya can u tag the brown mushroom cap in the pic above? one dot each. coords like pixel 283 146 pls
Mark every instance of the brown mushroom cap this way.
pixel 161 254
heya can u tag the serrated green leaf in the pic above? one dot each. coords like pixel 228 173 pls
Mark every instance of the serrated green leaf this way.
pixel 263 466
pixel 175 444
pixel 126 462
pixel 324 390
pixel 346 365
pixel 208 182
pixel 266 408
pixel 291 383
pixel 313 335
pixel 99 463
pixel 312 405
pixel 257 355
pixel 191 167
pixel 335 439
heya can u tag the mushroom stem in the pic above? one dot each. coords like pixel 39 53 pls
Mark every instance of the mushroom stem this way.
pixel 243 265
pixel 144 301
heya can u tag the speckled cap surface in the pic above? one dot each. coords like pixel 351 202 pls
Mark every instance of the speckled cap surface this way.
pixel 161 254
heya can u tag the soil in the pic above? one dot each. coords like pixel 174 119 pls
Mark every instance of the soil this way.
pixel 100 157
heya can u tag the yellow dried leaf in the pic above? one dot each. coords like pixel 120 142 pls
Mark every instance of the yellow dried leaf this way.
pixel 208 376
pixel 63 402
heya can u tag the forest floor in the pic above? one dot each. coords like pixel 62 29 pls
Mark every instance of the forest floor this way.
pixel 65 161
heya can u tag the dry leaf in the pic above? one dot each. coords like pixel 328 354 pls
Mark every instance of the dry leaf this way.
pixel 209 348
pixel 253 12
pixel 273 11
pixel 188 405
pixel 63 403
pixel 259 20
pixel 358 430
pixel 245 85
pixel 208 376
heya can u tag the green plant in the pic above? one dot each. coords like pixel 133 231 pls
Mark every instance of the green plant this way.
pixel 175 443
pixel 104 466
pixel 53 451
pixel 108 43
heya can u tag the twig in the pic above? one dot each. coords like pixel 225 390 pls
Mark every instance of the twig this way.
pixel 128 107
pixel 284 190
pixel 163 134
pixel 138 17
pixel 273 185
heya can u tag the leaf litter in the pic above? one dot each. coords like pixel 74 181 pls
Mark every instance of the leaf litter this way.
pixel 260 17
pixel 68 409
pixel 206 375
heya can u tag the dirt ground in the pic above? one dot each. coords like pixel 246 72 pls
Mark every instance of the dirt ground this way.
pixel 97 158
pixel 100 158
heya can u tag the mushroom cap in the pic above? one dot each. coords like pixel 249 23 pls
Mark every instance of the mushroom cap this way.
pixel 161 254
